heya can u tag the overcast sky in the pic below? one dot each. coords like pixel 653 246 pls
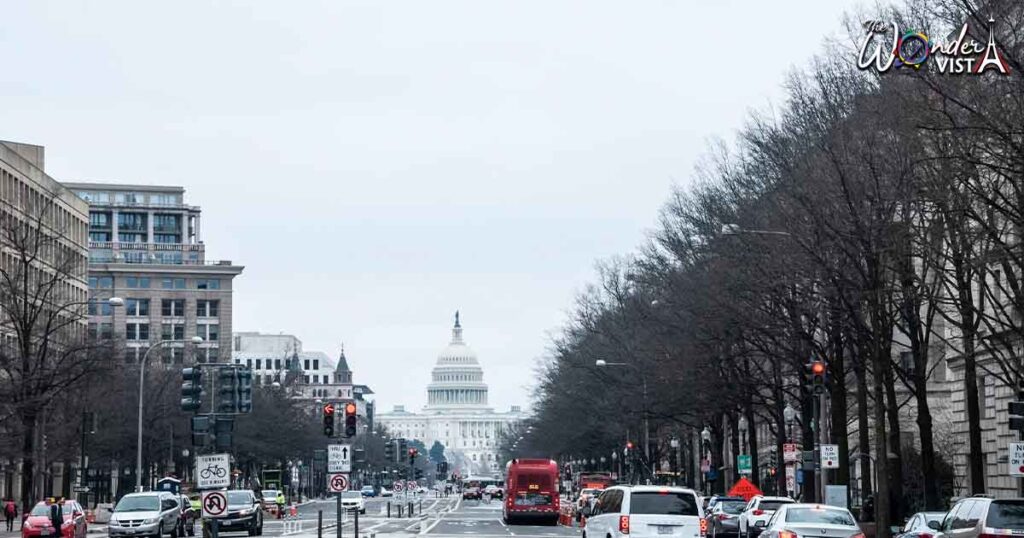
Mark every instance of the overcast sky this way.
pixel 377 165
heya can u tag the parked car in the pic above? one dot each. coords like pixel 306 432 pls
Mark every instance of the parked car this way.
pixel 40 520
pixel 711 501
pixel 922 525
pixel 976 516
pixel 352 501
pixel 151 513
pixel 724 516
pixel 756 514
pixel 189 515
pixel 793 520
pixel 623 511
pixel 368 491
pixel 244 512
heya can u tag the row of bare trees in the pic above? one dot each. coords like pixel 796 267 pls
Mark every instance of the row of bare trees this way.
pixel 872 222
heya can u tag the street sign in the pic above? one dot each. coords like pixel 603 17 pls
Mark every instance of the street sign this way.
pixel 743 463
pixel 399 486
pixel 213 471
pixel 829 456
pixel 81 489
pixel 338 483
pixel 790 453
pixel 215 503
pixel 413 486
pixel 1016 459
pixel 791 480
pixel 339 458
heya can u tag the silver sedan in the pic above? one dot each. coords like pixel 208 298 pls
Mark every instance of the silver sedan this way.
pixel 811 521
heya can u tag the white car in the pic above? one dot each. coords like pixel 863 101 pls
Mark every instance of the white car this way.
pixel 385 492
pixel 352 501
pixel 792 520
pixel 643 511
pixel 759 510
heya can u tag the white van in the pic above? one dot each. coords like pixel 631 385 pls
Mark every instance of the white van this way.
pixel 646 511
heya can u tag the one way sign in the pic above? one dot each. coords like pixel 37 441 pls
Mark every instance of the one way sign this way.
pixel 339 458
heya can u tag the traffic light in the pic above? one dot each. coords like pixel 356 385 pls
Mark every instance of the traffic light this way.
pixel 329 420
pixel 350 419
pixel 403 448
pixel 200 430
pixel 772 471
pixel 389 451
pixel 224 433
pixel 244 390
pixel 412 456
pixel 191 389
pixel 817 371
pixel 227 390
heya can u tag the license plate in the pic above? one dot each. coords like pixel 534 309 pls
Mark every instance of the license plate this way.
pixel 665 529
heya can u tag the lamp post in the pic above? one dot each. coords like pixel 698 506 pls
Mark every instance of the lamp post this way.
pixel 142 378
pixel 705 436
pixel 790 415
pixel 615 462
pixel 674 444
pixel 742 426
pixel 601 363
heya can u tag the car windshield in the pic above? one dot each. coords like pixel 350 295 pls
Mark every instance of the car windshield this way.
pixel 771 505
pixel 269 493
pixel 43 509
pixel 732 507
pixel 826 516
pixel 350 495
pixel 663 502
pixel 239 497
pixel 934 516
pixel 139 503
pixel 1006 515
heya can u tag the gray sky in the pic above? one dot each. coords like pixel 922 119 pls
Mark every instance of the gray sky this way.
pixel 377 165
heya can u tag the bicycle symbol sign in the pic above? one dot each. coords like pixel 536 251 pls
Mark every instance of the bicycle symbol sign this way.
pixel 339 482
pixel 215 503
pixel 213 471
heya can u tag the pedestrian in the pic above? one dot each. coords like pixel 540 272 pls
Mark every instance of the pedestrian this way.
pixel 10 511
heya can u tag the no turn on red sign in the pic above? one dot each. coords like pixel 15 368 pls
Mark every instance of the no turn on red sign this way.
pixel 829 456
pixel 338 482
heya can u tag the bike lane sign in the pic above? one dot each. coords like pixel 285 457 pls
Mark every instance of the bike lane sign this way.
pixel 213 471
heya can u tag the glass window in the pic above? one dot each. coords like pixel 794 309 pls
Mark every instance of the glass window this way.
pixel 131 222
pixel 165 238
pixel 316 364
pixel 106 331
pixel 1006 515
pixel 137 331
pixel 100 307
pixel 305 364
pixel 102 282
pixel 172 307
pixel 258 362
pixel 136 307
pixel 173 331
pixel 137 282
pixel 99 237
pixel 823 516
pixel 977 512
pixel 173 283
pixel 208 332
pixel 208 284
pixel 206 309
pixel 172 355
pixel 964 511
pixel 212 354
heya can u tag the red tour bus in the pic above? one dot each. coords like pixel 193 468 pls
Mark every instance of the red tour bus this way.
pixel 531 488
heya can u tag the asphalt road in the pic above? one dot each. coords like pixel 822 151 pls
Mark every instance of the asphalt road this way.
pixel 440 518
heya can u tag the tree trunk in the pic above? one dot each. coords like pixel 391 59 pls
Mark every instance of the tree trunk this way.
pixel 892 411
pixel 882 518
pixel 837 396
pixel 735 445
pixel 28 468
pixel 748 411
pixel 863 435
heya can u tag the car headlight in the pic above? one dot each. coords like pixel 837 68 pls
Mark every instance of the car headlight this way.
pixel 151 521
pixel 246 512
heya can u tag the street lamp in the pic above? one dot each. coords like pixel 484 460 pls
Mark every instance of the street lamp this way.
pixel 142 377
pixel 790 415
pixel 601 363
pixel 734 229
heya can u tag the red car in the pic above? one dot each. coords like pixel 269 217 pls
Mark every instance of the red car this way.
pixel 37 524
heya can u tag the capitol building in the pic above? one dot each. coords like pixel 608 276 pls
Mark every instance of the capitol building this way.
pixel 456 414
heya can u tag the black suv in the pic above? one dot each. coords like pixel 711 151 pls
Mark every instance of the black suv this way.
pixel 245 511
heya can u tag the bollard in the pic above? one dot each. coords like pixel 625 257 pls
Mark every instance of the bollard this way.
pixel 355 523
pixel 319 524
pixel 421 508
pixel 389 509
pixel 213 527
pixel 338 516
pixel 411 505
pixel 399 511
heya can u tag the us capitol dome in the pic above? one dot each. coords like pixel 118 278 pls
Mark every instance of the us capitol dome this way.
pixel 457 414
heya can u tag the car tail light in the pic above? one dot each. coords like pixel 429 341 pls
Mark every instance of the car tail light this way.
pixel 703 527
pixel 788 534
pixel 922 535
pixel 624 524
pixel 759 512
pixel 988 535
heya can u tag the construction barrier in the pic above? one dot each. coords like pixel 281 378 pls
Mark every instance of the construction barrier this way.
pixel 565 516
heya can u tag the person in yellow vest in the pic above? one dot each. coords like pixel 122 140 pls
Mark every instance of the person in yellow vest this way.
pixel 280 503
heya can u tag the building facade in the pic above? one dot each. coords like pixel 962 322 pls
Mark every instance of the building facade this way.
pixel 457 414
pixel 31 198
pixel 145 246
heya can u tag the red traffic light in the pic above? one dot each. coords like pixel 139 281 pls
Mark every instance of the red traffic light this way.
pixel 412 451
pixel 629 445
pixel 817 367
pixel 329 409
pixel 350 408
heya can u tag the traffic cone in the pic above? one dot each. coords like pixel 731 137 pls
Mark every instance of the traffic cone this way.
pixel 294 510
